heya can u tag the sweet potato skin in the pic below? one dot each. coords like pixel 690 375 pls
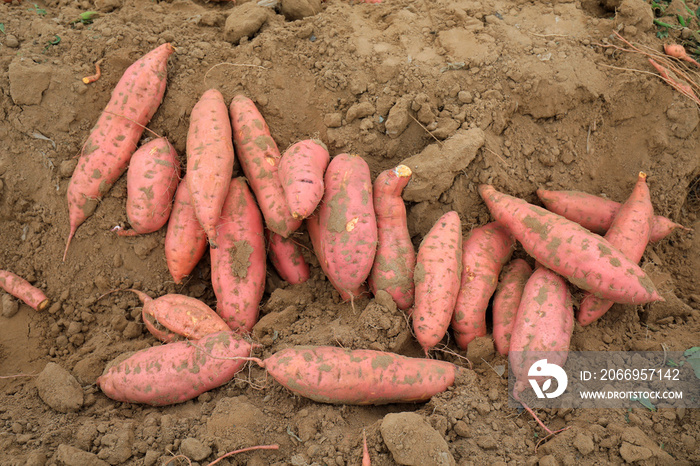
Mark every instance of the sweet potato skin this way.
pixel 287 258
pixel 113 139
pixel 172 316
pixel 22 289
pixel 597 213
pixel 543 325
pixel 630 232
pixel 210 160
pixel 185 239
pixel 359 377
pixel 175 372
pixel 585 259
pixel 485 250
pixel 260 158
pixel 437 278
pixel 151 181
pixel 239 264
pixel 506 300
pixel 395 258
pixel 347 223
pixel 301 171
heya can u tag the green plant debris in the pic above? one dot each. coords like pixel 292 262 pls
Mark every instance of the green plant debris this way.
pixel 86 17
pixel 39 11
pixel 645 402
pixel 692 355
pixel 2 28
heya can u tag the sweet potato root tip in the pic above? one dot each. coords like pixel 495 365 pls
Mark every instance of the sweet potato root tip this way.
pixel 366 461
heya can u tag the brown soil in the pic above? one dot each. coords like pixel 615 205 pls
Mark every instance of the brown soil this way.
pixel 556 111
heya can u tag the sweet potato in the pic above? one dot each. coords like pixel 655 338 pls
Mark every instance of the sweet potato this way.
pixel 597 213
pixel 485 250
pixel 22 289
pixel 348 225
pixel 259 157
pixel 238 265
pixel 506 300
pixel 175 315
pixel 314 229
pixel 630 233
pixel 584 258
pixel 151 181
pixel 360 377
pixel 176 372
pixel 543 327
pixel 437 278
pixel 301 172
pixel 395 259
pixel 210 160
pixel 287 258
pixel 185 239
pixel 113 139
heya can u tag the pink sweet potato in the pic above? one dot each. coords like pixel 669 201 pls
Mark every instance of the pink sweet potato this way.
pixel 22 289
pixel 113 139
pixel 395 259
pixel 260 159
pixel 314 229
pixel 485 250
pixel 151 181
pixel 287 258
pixel 630 233
pixel 360 377
pixel 597 213
pixel 301 172
pixel 174 315
pixel 210 160
pixel 185 239
pixel 437 277
pixel 506 300
pixel 543 327
pixel 238 265
pixel 348 225
pixel 584 258
pixel 176 372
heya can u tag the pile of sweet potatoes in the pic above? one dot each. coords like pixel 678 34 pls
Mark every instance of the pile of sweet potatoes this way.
pixel 358 231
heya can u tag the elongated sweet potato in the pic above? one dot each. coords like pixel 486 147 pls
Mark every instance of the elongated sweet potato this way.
pixel 174 315
pixel 437 277
pixel 151 181
pixel 585 259
pixel 395 259
pixel 347 223
pixel 301 172
pixel 22 289
pixel 630 232
pixel 287 258
pixel 360 377
pixel 238 265
pixel 542 330
pixel 485 250
pixel 210 160
pixel 314 229
pixel 176 372
pixel 259 157
pixel 597 213
pixel 113 139
pixel 506 300
pixel 185 239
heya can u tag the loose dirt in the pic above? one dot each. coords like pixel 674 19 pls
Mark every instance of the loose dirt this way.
pixel 532 99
